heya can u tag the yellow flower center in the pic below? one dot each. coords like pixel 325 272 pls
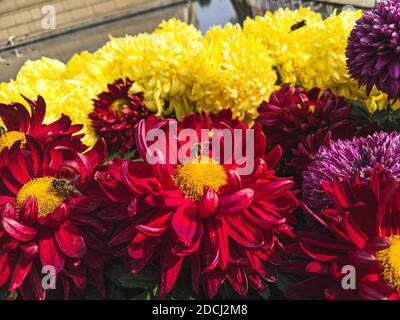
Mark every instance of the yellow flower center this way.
pixel 47 197
pixel 198 174
pixel 7 139
pixel 390 260
pixel 119 104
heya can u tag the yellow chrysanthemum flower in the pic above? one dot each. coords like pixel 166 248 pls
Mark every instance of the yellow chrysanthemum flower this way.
pixel 235 73
pixel 119 57
pixel 166 74
pixel 160 64
pixel 326 67
pixel 288 48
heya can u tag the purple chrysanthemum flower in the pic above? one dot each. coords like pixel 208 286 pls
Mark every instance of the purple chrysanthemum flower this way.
pixel 346 157
pixel 373 51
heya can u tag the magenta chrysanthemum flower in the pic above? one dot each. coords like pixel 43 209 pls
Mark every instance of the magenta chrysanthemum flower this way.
pixel 344 159
pixel 116 114
pixel 301 121
pixel 374 49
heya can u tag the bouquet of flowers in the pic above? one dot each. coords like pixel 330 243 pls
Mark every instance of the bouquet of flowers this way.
pixel 257 161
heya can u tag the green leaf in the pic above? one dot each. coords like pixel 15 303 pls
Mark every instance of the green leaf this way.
pixel 146 279
pixel 145 295
pixel 139 281
pixel 380 116
pixel 360 112
pixel 7 295
pixel 183 287
pixel 284 282
pixel 266 293
pixel 115 293
pixel 13 295
pixel 151 294
pixel 129 155
pixel 113 155
pixel 114 271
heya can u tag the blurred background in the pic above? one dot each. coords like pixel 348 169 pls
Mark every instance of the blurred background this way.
pixel 30 29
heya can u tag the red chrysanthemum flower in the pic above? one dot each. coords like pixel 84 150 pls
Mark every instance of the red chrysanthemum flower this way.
pixel 19 122
pixel 48 216
pixel 301 121
pixel 362 231
pixel 116 114
pixel 227 225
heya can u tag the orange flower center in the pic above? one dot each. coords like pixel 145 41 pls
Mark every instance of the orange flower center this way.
pixel 390 261
pixel 48 198
pixel 198 174
pixel 7 139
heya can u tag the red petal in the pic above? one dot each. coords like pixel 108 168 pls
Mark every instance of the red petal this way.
pixel 21 270
pixel 375 290
pixel 8 257
pixel 29 250
pixel 19 231
pixel 210 251
pixel 238 280
pixel 98 154
pixel 17 164
pixel 8 210
pixel 122 235
pixel 36 284
pixel 152 231
pixel 243 232
pixel 171 265
pixel 195 263
pixel 223 245
pixel 15 117
pixel 184 222
pixel 49 253
pixel 29 211
pixel 360 256
pixel 235 202
pixel 70 240
pixel 55 219
pixel 208 203
pixel 234 182
pixel 274 156
pixel 321 255
pixel 38 110
pixel 36 154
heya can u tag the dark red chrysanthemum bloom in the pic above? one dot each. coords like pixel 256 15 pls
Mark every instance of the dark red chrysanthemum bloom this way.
pixel 301 121
pixel 18 122
pixel 116 114
pixel 48 216
pixel 374 48
pixel 359 232
pixel 227 225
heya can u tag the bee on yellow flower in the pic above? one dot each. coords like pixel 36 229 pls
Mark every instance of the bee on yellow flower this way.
pixel 287 35
pixel 326 66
